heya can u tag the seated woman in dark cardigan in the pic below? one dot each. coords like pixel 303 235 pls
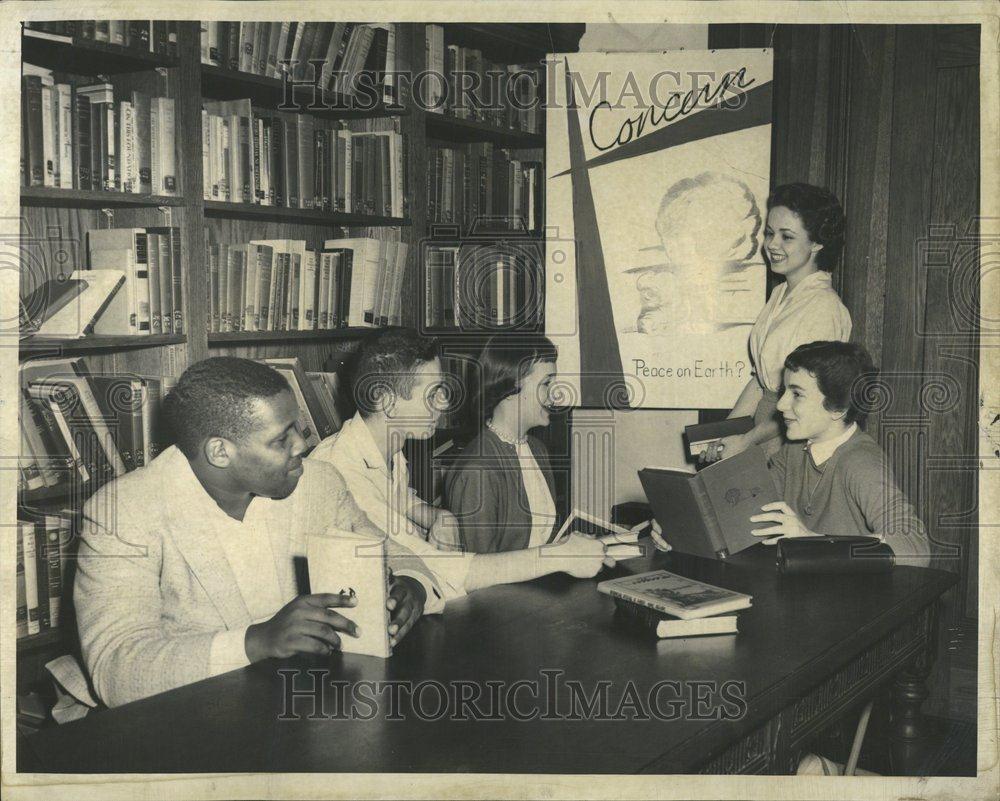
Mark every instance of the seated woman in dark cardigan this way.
pixel 831 474
pixel 501 487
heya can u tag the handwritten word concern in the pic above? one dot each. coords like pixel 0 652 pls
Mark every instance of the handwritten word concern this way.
pixel 677 105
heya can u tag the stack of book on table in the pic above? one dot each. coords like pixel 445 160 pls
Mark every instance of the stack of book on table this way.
pixel 675 606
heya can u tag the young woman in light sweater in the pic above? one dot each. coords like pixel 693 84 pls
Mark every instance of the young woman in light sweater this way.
pixel 832 476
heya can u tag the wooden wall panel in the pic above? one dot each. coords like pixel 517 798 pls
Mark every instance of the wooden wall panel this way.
pixel 887 117
pixel 862 273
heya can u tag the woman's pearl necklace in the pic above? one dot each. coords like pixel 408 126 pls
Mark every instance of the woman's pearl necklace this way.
pixel 503 436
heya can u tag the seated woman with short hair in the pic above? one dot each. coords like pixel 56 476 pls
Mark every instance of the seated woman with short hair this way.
pixel 838 482
pixel 501 488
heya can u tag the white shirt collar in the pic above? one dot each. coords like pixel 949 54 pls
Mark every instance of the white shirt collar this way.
pixel 822 451
pixel 357 429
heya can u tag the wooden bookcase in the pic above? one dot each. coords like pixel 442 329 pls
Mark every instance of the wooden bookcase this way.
pixel 58 219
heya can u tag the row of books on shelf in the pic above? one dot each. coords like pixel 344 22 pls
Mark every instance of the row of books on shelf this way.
pixel 318 395
pixel 468 182
pixel 147 36
pixel 96 137
pixel 476 88
pixel 83 429
pixel 42 544
pixel 284 285
pixel 80 430
pixel 135 286
pixel 272 158
pixel 273 49
pixel 482 286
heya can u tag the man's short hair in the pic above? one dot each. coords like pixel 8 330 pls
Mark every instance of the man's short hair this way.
pixel 844 372
pixel 387 362
pixel 214 398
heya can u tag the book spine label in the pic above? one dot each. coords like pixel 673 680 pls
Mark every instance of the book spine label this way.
pixel 53 569
pixel 31 587
pixel 617 594
pixel 21 600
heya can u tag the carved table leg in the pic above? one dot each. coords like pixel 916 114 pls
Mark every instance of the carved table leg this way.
pixel 909 737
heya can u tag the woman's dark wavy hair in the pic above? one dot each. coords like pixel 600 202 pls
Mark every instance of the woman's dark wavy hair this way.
pixel 821 215
pixel 845 374
pixel 504 362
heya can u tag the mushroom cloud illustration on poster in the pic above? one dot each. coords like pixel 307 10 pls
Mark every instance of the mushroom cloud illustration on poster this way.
pixel 657 170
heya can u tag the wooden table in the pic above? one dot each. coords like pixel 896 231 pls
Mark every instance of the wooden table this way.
pixel 808 650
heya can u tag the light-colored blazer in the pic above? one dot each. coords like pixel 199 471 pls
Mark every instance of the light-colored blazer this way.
pixel 153 586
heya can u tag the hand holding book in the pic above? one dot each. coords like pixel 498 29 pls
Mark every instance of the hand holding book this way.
pixel 788 523
pixel 724 448
pixel 305 625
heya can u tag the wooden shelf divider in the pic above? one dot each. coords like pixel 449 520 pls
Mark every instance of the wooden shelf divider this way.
pixel 251 337
pixel 39 346
pixel 226 84
pixel 93 199
pixel 252 211
pixel 456 129
pixel 86 57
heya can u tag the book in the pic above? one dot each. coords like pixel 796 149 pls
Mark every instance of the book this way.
pixel 349 562
pixel 708 513
pixel 666 626
pixel 699 435
pixel 21 597
pixel 675 595
pixel 621 543
pixel 305 394
pixel 587 525
pixel 72 307
pixel 26 529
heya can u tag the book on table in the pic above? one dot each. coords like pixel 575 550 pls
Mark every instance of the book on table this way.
pixel 675 595
pixel 708 513
pixel 669 626
pixel 348 562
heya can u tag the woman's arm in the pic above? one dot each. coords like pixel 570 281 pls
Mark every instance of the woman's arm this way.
pixel 472 496
pixel 746 406
pixel 747 402
pixel 581 557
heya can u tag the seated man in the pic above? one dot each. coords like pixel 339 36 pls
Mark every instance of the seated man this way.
pixel 398 390
pixel 838 483
pixel 185 568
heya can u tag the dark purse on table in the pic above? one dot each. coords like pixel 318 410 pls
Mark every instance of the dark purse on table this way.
pixel 808 555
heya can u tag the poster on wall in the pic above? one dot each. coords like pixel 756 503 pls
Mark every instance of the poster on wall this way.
pixel 657 170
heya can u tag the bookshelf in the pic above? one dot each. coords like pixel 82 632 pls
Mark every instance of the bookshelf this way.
pixel 56 220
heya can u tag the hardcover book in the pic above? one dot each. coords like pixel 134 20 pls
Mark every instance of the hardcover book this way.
pixel 700 435
pixel 349 562
pixel 668 626
pixel 675 595
pixel 708 513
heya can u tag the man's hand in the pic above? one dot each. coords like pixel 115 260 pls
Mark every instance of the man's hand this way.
pixel 788 523
pixel 581 557
pixel 723 448
pixel 305 625
pixel 406 602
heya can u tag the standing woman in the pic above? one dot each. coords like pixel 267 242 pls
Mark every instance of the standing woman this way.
pixel 802 242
